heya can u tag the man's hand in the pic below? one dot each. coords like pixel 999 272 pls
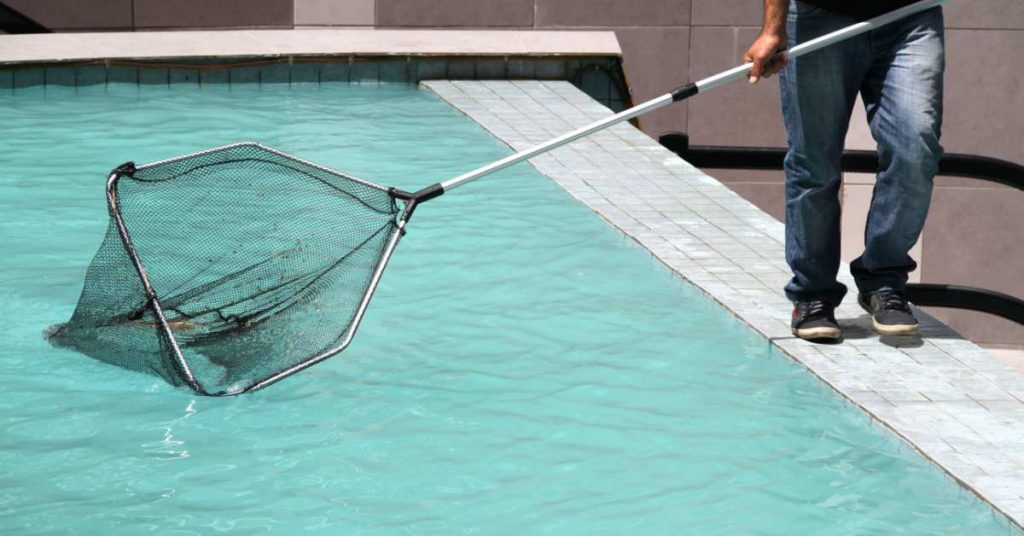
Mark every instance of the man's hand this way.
pixel 768 54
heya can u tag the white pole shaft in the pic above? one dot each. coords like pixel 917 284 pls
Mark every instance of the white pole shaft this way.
pixel 702 86
pixel 625 115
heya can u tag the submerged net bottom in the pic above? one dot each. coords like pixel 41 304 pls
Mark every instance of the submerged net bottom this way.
pixel 260 262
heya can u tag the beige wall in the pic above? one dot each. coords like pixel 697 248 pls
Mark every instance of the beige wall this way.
pixel 971 236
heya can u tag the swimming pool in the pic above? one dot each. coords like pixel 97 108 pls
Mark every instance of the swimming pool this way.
pixel 523 369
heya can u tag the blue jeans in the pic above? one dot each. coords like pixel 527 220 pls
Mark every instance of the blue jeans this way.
pixel 898 71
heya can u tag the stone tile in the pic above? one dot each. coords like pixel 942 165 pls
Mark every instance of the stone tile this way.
pixel 269 43
pixel 334 12
pixel 94 15
pixel 985 14
pixel 583 13
pixel 982 125
pixel 655 61
pixel 756 108
pixel 220 14
pixel 453 13
pixel 953 254
pixel 728 13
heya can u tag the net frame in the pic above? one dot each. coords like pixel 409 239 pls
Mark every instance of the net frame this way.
pixel 153 300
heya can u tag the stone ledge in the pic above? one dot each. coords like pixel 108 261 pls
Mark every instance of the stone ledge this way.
pixel 80 47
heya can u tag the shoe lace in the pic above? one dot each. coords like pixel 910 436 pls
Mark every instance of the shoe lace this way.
pixel 893 300
pixel 815 308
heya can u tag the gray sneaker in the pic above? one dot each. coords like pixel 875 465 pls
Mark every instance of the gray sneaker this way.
pixel 890 312
pixel 815 321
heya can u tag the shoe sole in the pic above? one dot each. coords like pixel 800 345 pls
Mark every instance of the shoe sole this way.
pixel 899 329
pixel 811 334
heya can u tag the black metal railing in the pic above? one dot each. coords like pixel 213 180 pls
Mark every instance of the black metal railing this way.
pixel 954 165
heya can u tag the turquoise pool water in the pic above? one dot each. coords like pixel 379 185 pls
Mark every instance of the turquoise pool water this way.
pixel 524 369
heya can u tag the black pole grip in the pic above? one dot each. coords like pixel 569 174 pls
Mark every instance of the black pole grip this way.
pixel 685 92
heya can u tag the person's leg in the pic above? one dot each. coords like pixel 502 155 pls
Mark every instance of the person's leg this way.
pixel 818 95
pixel 903 94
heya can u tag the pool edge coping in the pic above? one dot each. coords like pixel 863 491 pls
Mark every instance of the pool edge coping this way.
pixel 29 49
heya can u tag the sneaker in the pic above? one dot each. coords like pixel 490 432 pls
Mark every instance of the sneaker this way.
pixel 815 321
pixel 890 312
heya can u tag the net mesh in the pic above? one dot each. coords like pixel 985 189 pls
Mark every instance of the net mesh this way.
pixel 260 262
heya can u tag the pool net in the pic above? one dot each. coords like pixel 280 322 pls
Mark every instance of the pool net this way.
pixel 226 270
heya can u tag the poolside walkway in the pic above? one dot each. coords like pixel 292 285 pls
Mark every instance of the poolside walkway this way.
pixel 950 399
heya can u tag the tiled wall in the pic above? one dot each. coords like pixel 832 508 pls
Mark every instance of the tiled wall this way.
pixel 969 237
pixel 599 77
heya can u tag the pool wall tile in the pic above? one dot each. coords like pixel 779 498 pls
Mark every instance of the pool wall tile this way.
pixel 573 70
pixel 394 71
pixel 6 80
pixel 213 77
pixel 244 75
pixel 305 73
pixel 61 76
pixel 461 69
pixel 90 75
pixel 519 69
pixel 552 69
pixel 335 72
pixel 122 74
pixel 364 72
pixel 593 75
pixel 28 77
pixel 154 76
pixel 491 69
pixel 276 73
pixel 596 83
pixel 429 69
pixel 184 76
